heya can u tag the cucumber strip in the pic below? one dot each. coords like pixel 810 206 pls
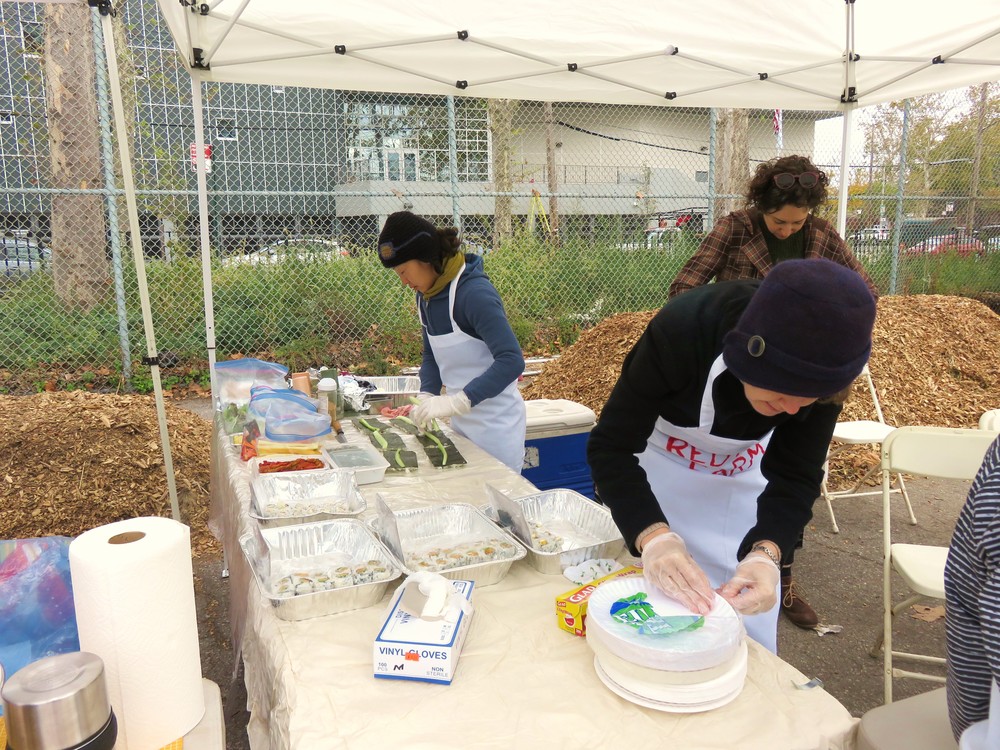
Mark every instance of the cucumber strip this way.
pixel 407 420
pixel 364 423
pixel 381 440
pixel 399 459
pixel 444 455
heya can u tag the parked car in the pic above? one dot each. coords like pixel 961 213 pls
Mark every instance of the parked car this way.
pixel 960 245
pixel 871 234
pixel 20 256
pixel 989 235
pixel 302 249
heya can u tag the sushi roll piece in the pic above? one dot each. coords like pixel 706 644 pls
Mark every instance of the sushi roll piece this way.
pixel 342 579
pixel 362 574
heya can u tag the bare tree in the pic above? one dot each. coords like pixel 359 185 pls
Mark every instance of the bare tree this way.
pixel 79 261
pixel 733 160
pixel 501 120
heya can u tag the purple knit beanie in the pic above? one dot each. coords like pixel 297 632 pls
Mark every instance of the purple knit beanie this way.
pixel 407 236
pixel 807 331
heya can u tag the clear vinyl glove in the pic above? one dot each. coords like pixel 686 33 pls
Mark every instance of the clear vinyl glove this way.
pixel 667 564
pixel 753 587
pixel 440 407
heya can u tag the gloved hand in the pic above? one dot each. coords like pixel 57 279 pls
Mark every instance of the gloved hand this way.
pixel 667 564
pixel 753 587
pixel 439 407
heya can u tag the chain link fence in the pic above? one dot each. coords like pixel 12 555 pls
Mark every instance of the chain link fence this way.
pixel 581 211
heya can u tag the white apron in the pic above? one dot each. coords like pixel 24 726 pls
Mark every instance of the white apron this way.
pixel 497 425
pixel 707 487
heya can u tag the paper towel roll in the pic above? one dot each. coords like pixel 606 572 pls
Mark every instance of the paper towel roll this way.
pixel 134 594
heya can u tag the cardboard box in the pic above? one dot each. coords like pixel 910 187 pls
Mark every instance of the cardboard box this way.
pixel 408 648
pixel 571 607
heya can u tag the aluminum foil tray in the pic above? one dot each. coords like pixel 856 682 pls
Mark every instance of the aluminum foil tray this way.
pixel 453 530
pixel 567 529
pixel 303 497
pixel 318 569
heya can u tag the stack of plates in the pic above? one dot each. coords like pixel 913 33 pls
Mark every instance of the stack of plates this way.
pixel 685 672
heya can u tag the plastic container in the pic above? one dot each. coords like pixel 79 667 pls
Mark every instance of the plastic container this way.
pixel 326 394
pixel 555 455
pixel 367 463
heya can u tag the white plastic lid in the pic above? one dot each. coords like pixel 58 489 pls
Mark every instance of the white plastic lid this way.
pixel 326 384
pixel 557 413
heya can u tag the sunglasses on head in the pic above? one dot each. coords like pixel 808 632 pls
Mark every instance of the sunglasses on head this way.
pixel 785 180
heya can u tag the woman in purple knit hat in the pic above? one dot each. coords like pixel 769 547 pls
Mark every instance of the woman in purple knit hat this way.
pixel 710 449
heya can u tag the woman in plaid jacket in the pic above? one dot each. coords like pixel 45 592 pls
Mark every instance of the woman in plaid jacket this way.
pixel 777 224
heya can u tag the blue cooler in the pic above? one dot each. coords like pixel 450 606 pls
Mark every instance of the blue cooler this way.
pixel 555 455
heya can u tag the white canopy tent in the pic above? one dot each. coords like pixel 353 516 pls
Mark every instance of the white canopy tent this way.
pixel 789 54
pixel 784 54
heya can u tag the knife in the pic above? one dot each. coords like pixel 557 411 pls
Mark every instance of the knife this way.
pixel 339 430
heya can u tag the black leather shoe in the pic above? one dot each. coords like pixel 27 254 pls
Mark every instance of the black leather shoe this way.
pixel 795 607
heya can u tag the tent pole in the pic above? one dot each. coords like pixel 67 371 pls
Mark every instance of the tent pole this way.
pixel 845 169
pixel 124 153
pixel 849 99
pixel 203 222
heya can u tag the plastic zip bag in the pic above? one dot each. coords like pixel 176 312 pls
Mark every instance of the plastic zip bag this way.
pixel 235 378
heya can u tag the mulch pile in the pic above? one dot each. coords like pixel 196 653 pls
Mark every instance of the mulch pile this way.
pixel 934 362
pixel 70 461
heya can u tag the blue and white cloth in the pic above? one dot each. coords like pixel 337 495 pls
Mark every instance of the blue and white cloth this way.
pixel 972 595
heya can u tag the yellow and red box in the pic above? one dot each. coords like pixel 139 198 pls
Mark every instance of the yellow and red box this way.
pixel 571 607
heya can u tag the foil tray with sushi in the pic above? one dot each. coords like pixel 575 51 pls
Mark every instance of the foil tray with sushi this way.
pixel 317 569
pixel 564 529
pixel 455 540
pixel 284 500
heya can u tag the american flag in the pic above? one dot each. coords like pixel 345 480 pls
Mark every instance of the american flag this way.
pixel 777 130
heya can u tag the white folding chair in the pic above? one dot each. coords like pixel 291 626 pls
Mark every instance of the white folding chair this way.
pixel 917 723
pixel 990 420
pixel 860 432
pixel 946 453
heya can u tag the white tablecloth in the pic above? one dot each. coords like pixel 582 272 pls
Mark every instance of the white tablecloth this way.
pixel 521 681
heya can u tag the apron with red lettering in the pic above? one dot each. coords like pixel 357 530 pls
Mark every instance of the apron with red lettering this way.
pixel 498 425
pixel 707 487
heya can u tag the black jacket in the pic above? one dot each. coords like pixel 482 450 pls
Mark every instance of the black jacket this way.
pixel 664 376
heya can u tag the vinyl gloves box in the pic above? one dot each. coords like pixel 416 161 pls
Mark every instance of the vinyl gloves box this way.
pixel 411 648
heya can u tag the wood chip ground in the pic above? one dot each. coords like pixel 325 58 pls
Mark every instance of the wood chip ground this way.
pixel 935 361
pixel 70 461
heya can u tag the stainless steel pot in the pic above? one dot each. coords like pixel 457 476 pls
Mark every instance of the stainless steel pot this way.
pixel 59 703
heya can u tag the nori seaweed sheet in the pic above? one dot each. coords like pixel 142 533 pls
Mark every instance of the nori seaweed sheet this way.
pixel 404 425
pixel 373 424
pixel 427 439
pixel 407 458
pixel 392 440
pixel 437 460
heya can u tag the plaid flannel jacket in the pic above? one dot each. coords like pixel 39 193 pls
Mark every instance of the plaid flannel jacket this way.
pixel 736 249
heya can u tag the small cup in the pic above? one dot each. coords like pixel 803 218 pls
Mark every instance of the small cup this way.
pixel 301 383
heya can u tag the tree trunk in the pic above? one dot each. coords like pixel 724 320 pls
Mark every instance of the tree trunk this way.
pixel 732 159
pixel 977 156
pixel 550 163
pixel 501 119
pixel 79 260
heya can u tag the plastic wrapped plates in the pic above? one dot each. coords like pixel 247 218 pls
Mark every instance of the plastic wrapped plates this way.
pixel 685 672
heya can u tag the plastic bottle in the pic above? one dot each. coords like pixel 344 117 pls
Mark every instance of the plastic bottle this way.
pixel 326 392
pixel 333 374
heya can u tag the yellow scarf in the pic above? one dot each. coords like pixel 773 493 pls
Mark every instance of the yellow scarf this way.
pixel 451 269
